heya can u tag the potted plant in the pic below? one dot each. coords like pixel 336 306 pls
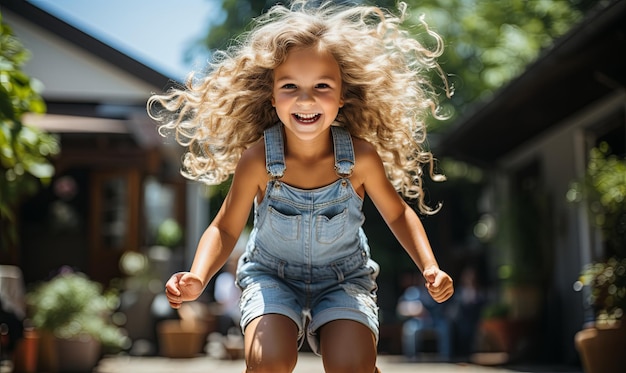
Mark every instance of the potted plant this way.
pixel 607 290
pixel 494 327
pixel 73 314
pixel 601 343
pixel 604 280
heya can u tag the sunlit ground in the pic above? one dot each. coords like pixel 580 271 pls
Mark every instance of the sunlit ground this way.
pixel 307 363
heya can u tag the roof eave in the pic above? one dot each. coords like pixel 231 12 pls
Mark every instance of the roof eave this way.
pixel 85 41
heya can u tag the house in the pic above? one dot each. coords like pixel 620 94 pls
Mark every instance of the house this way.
pixel 533 138
pixel 116 179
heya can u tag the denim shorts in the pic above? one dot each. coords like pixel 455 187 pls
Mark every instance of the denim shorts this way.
pixel 311 296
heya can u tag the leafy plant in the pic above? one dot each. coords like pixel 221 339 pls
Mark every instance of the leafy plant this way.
pixel 71 305
pixel 496 311
pixel 604 192
pixel 607 281
pixel 24 150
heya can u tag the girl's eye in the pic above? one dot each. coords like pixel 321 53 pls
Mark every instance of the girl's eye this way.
pixel 322 86
pixel 289 86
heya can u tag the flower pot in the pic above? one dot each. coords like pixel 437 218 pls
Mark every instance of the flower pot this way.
pixel 47 359
pixel 602 349
pixel 78 354
pixel 179 340
pixel 26 352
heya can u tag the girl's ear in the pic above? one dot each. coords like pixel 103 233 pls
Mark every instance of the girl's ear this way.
pixel 341 102
pixel 273 102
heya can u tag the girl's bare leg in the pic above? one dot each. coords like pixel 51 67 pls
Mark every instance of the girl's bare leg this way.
pixel 271 344
pixel 347 347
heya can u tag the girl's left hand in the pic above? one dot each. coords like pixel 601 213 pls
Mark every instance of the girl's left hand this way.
pixel 438 283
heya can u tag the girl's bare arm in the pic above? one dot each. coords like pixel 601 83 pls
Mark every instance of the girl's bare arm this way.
pixel 403 222
pixel 219 239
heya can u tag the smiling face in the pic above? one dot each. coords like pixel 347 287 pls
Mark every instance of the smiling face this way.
pixel 307 91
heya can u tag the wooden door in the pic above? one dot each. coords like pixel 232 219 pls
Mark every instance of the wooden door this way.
pixel 116 201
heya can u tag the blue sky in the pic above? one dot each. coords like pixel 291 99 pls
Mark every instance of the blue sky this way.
pixel 154 32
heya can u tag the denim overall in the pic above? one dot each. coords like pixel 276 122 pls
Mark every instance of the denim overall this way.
pixel 307 256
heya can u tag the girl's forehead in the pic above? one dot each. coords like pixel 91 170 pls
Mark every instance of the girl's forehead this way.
pixel 306 57
pixel 309 52
pixel 302 54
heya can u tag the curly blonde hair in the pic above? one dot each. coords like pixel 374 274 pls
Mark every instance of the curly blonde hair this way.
pixel 386 90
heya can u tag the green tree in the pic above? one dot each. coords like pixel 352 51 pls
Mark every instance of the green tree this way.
pixel 488 43
pixel 24 150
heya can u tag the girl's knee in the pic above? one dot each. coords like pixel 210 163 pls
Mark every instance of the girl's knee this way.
pixel 348 346
pixel 350 364
pixel 271 361
pixel 271 344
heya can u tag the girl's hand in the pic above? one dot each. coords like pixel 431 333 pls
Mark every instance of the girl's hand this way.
pixel 438 283
pixel 183 287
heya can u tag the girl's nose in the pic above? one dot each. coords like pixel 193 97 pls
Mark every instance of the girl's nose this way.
pixel 305 98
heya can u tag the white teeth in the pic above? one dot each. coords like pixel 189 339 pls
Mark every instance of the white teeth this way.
pixel 306 116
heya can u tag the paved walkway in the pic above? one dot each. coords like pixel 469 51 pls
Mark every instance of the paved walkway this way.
pixel 307 363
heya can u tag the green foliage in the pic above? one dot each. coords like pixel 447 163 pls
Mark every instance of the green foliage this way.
pixel 496 311
pixel 24 150
pixel 607 175
pixel 607 281
pixel 71 305
pixel 604 191
pixel 169 233
pixel 488 43
pixel 237 16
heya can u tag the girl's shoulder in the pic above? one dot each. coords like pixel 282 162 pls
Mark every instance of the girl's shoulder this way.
pixel 368 164
pixel 364 151
pixel 252 161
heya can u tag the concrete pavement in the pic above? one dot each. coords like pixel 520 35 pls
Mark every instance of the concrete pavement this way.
pixel 307 363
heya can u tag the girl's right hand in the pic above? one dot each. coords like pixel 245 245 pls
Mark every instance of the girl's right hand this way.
pixel 183 287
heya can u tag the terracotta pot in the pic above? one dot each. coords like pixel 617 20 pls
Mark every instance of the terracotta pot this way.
pixel 26 352
pixel 504 334
pixel 47 359
pixel 602 349
pixel 78 354
pixel 67 355
pixel 179 340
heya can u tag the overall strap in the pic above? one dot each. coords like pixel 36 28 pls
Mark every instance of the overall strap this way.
pixel 274 151
pixel 344 151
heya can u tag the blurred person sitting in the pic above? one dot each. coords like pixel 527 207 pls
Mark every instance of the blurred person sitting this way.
pixel 227 295
pixel 423 316
pixel 465 309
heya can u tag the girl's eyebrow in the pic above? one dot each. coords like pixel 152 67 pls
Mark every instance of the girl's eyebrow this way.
pixel 323 77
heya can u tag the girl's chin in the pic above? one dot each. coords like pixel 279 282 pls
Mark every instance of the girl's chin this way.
pixel 306 125
pixel 306 130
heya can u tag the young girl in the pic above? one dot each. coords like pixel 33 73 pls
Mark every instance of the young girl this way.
pixel 313 109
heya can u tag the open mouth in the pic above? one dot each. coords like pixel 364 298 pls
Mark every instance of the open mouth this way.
pixel 306 118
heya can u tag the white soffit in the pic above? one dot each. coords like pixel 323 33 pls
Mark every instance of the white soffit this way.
pixel 74 124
